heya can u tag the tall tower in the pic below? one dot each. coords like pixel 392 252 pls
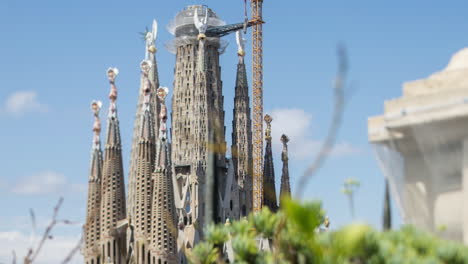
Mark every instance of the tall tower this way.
pixel 241 148
pixel 113 188
pixel 153 78
pixel 164 226
pixel 144 167
pixel 285 190
pixel 92 226
pixel 269 191
pixel 197 108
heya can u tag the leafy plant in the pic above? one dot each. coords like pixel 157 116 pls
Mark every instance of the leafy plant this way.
pixel 295 235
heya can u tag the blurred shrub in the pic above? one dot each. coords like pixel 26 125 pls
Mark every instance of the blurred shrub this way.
pixel 293 236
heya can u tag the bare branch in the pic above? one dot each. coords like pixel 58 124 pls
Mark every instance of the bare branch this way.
pixel 33 220
pixel 73 251
pixel 32 253
pixel 14 257
pixel 338 110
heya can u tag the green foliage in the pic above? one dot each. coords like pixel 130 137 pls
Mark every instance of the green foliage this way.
pixel 293 236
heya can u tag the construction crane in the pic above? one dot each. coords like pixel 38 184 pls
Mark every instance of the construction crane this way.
pixel 257 97
pixel 257 90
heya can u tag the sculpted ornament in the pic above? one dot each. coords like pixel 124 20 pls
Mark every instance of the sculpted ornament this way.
pixel 201 25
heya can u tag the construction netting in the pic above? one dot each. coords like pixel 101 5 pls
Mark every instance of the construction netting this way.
pixel 172 45
pixel 183 28
pixel 425 169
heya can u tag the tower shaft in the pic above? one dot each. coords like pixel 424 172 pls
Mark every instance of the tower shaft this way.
pixel 257 91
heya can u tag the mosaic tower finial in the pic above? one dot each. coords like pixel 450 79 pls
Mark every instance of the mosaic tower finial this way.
pixel 268 119
pixel 96 107
pixel 111 76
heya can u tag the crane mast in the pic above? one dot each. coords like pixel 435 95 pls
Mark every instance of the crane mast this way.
pixel 257 97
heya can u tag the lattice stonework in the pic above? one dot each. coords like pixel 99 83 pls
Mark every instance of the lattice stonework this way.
pixel 164 227
pixel 197 106
pixel 257 91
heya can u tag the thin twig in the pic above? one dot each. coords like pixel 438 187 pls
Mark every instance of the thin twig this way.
pixel 14 257
pixel 339 101
pixel 32 253
pixel 73 251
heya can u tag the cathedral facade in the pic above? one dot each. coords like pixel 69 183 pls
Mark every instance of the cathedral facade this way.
pixel 179 178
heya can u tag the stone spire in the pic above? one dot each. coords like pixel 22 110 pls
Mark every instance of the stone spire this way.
pixel 285 190
pixel 387 214
pixel 92 226
pixel 144 166
pixel 269 191
pixel 113 188
pixel 164 227
pixel 153 78
pixel 241 149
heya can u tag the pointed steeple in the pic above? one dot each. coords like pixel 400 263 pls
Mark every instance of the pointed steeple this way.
pixel 164 228
pixel 285 190
pixel 387 214
pixel 153 78
pixel 113 186
pixel 92 226
pixel 241 149
pixel 144 167
pixel 269 191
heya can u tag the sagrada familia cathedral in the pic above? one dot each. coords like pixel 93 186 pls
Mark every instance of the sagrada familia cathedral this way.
pixel 163 214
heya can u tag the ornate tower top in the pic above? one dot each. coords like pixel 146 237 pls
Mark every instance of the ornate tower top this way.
pixel 111 75
pixel 145 67
pixel 96 107
pixel 150 39
pixel 240 45
pixel 162 94
pixel 268 120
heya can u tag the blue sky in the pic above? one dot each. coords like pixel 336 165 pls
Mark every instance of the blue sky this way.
pixel 54 55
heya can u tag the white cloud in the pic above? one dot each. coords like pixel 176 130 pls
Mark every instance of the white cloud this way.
pixel 22 102
pixel 297 125
pixel 41 183
pixel 54 251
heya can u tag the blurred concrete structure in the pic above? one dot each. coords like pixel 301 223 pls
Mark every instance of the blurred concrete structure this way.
pixel 421 142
